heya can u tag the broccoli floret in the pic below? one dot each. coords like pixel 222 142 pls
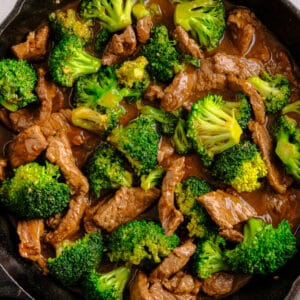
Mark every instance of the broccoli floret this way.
pixel 287 147
pixel 211 128
pixel 264 248
pixel 140 10
pixel 209 257
pixel 198 222
pixel 291 107
pixel 65 23
pixel 75 260
pixel 106 286
pixel 152 179
pixel 68 61
pixel 191 60
pixel 140 241
pixel 274 90
pixel 240 166
pixel 18 80
pixel 34 191
pixel 138 141
pixel 161 54
pixel 179 140
pixel 105 170
pixel 102 39
pixel 113 15
pixel 205 19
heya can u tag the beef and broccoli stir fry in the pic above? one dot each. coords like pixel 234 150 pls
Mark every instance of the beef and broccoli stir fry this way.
pixel 154 150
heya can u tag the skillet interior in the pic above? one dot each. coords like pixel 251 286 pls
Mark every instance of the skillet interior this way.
pixel 280 18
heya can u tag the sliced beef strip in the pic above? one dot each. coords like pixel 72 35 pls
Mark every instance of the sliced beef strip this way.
pixel 121 46
pixel 169 216
pixel 27 146
pixel 218 284
pixel 165 151
pixel 127 204
pixel 174 262
pixel 262 139
pixel 225 209
pixel 154 92
pixel 30 233
pixel 232 235
pixel 3 164
pixel 4 118
pixel 35 45
pixel 143 29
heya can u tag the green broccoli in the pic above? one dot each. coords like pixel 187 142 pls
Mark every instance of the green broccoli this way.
pixel 287 136
pixel 209 257
pixel 291 107
pixel 68 61
pixel 34 191
pixel 105 170
pixel 211 128
pixel 18 80
pixel 140 10
pixel 198 222
pixel 264 248
pixel 161 54
pixel 138 141
pixel 190 60
pixel 107 286
pixel 101 40
pixel 274 90
pixel 205 19
pixel 179 140
pixel 65 22
pixel 140 241
pixel 152 179
pixel 113 15
pixel 240 166
pixel 75 260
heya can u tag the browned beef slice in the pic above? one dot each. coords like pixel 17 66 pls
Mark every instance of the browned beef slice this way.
pixel 262 139
pixel 174 262
pixel 165 151
pixel 143 28
pixel 4 118
pixel 154 92
pixel 121 46
pixel 232 235
pixel 35 45
pixel 127 203
pixel 219 283
pixel 3 164
pixel 27 146
pixel 169 216
pixel 225 209
pixel 30 233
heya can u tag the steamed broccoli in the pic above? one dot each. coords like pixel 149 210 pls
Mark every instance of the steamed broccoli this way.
pixel 211 128
pixel 65 23
pixel 68 61
pixel 35 191
pixel 105 170
pixel 102 39
pixel 161 54
pixel 287 136
pixel 114 15
pixel 198 222
pixel 140 241
pixel 138 141
pixel 107 286
pixel 18 80
pixel 240 166
pixel 205 19
pixel 292 107
pixel 75 260
pixel 152 179
pixel 179 140
pixel 274 90
pixel 209 257
pixel 264 248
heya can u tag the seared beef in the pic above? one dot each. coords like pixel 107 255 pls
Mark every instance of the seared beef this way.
pixel 165 151
pixel 143 29
pixel 232 235
pixel 3 164
pixel 154 92
pixel 219 283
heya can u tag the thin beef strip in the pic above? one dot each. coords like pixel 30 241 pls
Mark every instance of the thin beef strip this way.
pixel 124 206
pixel 143 29
pixel 154 92
pixel 218 284
pixel 3 164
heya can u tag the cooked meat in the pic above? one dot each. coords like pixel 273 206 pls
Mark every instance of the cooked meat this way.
pixel 255 99
pixel 174 262
pixel 232 235
pixel 54 221
pixel 225 209
pixel 139 288
pixel 169 216
pixel 186 44
pixel 3 164
pixel 127 203
pixel 4 118
pixel 154 92
pixel 143 28
pixel 165 151
pixel 262 139
pixel 30 233
pixel 35 45
pixel 219 283
pixel 88 222
pixel 121 46
pixel 27 146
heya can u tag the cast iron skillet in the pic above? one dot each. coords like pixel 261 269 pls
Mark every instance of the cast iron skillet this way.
pixel 21 279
